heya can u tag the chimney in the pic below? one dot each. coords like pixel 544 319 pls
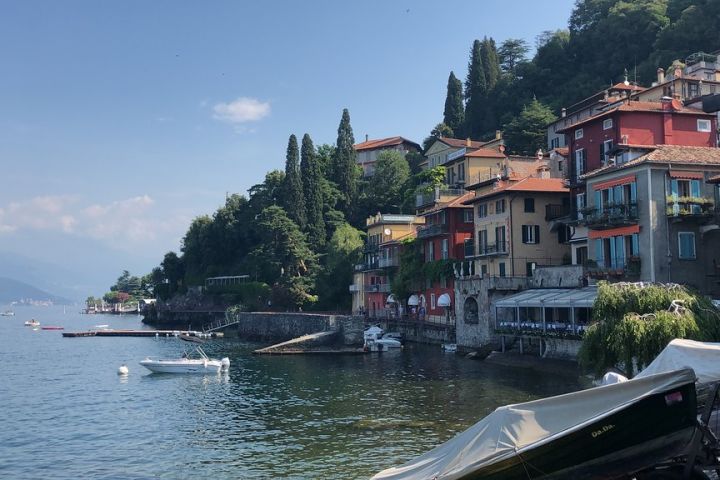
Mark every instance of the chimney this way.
pixel 498 134
pixel 678 71
pixel 563 112
pixel 660 75
pixel 468 142
pixel 366 137
pixel 501 149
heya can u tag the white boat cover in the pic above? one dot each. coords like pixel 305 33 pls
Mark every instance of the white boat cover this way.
pixel 511 429
pixel 703 357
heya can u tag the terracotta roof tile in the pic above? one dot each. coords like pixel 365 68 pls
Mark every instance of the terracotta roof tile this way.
pixel 715 179
pixel 457 202
pixel 486 153
pixel 527 184
pixel 382 142
pixel 674 154
pixel 456 142
pixel 623 86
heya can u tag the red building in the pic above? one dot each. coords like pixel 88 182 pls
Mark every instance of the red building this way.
pixel 446 234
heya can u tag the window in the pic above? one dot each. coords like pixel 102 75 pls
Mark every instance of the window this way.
pixel 580 159
pixel 482 242
pixel 431 251
pixel 580 204
pixel 482 210
pixel 686 245
pixel 443 282
pixel 501 269
pixel 607 124
pixel 578 134
pixel 704 125
pixel 500 239
pixel 432 301
pixel 483 270
pixel 467 215
pixel 531 233
pixel 444 253
pixel 500 206
pixel 468 247
pixel 554 143
pixel 461 172
pixel 605 149
pixel 693 90
pixel 530 268
pixel 529 205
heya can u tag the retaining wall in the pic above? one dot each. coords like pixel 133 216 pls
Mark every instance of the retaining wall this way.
pixel 286 326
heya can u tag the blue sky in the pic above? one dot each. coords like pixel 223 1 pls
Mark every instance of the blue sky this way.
pixel 121 121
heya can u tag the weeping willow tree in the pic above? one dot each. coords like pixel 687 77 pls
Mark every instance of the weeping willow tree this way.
pixel 633 322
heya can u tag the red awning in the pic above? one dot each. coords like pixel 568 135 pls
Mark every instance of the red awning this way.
pixel 614 182
pixel 686 175
pixel 614 232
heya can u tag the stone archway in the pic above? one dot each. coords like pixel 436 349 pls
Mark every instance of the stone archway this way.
pixel 470 310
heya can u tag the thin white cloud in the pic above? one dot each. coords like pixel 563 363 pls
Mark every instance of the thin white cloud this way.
pixel 242 110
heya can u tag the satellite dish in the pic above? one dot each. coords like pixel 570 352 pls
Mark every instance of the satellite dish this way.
pixel 387 231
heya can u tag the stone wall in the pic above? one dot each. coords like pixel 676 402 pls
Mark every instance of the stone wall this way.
pixel 285 326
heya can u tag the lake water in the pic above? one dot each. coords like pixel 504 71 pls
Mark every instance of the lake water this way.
pixel 67 414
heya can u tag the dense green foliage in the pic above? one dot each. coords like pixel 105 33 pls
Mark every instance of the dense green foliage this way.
pixel 312 188
pixel 293 195
pixel 526 133
pixel 454 114
pixel 634 322
pixel 345 170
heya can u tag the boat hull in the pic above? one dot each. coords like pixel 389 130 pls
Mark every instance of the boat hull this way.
pixel 637 437
pixel 177 366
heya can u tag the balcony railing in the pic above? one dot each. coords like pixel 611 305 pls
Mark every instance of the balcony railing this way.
pixel 378 287
pixel 553 211
pixel 432 230
pixel 364 267
pixel 614 267
pixel 610 216
pixel 389 262
pixel 370 248
pixel 438 195
pixel 489 249
pixel 689 207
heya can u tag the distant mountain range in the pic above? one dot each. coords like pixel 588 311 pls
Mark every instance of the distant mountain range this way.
pixel 15 291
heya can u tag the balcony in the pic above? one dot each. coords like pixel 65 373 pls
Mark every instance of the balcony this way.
pixel 490 249
pixel 610 216
pixel 364 267
pixel 389 262
pixel 378 287
pixel 690 208
pixel 428 231
pixel 438 195
pixel 354 288
pixel 370 248
pixel 553 211
pixel 623 267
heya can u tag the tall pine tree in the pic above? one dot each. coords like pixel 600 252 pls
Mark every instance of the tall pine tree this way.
pixel 454 114
pixel 475 91
pixel 344 172
pixel 491 68
pixel 311 182
pixel 293 199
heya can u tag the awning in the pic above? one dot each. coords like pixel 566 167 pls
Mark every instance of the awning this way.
pixel 614 182
pixel 686 175
pixel 614 232
pixel 390 299
pixel 444 300
pixel 551 298
pixel 413 301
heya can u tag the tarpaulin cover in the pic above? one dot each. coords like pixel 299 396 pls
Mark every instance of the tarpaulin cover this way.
pixel 703 357
pixel 512 429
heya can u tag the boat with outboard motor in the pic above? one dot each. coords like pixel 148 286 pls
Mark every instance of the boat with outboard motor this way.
pixel 7 313
pixel 187 364
pixel 32 323
pixel 375 340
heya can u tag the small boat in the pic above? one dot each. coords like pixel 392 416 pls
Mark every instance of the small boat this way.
pixel 185 364
pixel 7 313
pixel 32 323
pixel 449 347
pixel 375 341
pixel 52 327
pixel 598 433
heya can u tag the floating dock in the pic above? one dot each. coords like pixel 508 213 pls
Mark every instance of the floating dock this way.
pixel 141 333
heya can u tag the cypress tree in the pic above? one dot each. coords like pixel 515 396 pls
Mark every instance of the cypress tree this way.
pixel 454 114
pixel 293 199
pixel 491 68
pixel 311 180
pixel 475 90
pixel 344 163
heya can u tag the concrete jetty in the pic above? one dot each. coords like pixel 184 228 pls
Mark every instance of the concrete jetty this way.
pixel 141 333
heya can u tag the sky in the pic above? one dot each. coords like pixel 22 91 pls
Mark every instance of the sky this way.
pixel 122 121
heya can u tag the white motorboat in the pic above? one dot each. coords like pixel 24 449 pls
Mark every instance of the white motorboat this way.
pixel 7 313
pixel 375 341
pixel 32 323
pixel 186 364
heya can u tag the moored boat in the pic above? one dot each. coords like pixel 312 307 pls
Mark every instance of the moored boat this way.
pixel 32 323
pixel 52 327
pixel 7 313
pixel 601 432
pixel 186 364
pixel 376 341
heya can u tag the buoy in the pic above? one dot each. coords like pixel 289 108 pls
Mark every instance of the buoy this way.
pixel 123 370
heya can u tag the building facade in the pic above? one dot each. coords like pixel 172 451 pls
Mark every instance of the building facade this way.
pixel 368 151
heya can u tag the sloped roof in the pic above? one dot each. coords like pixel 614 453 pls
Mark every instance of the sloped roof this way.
pixel 629 86
pixel 675 154
pixel 486 153
pixel 527 184
pixel 637 106
pixel 715 179
pixel 382 143
pixel 457 202
pixel 456 142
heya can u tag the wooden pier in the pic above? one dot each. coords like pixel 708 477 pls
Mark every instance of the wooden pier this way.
pixel 141 333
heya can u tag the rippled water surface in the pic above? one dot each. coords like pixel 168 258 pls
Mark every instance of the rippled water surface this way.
pixel 67 414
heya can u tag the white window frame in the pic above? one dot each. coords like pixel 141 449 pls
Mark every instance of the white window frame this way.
pixel 580 152
pixel 607 124
pixel 606 150
pixel 580 203
pixel 432 301
pixel 468 215
pixel 480 209
pixel 694 252
pixel 579 134
pixel 530 235
pixel 704 125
